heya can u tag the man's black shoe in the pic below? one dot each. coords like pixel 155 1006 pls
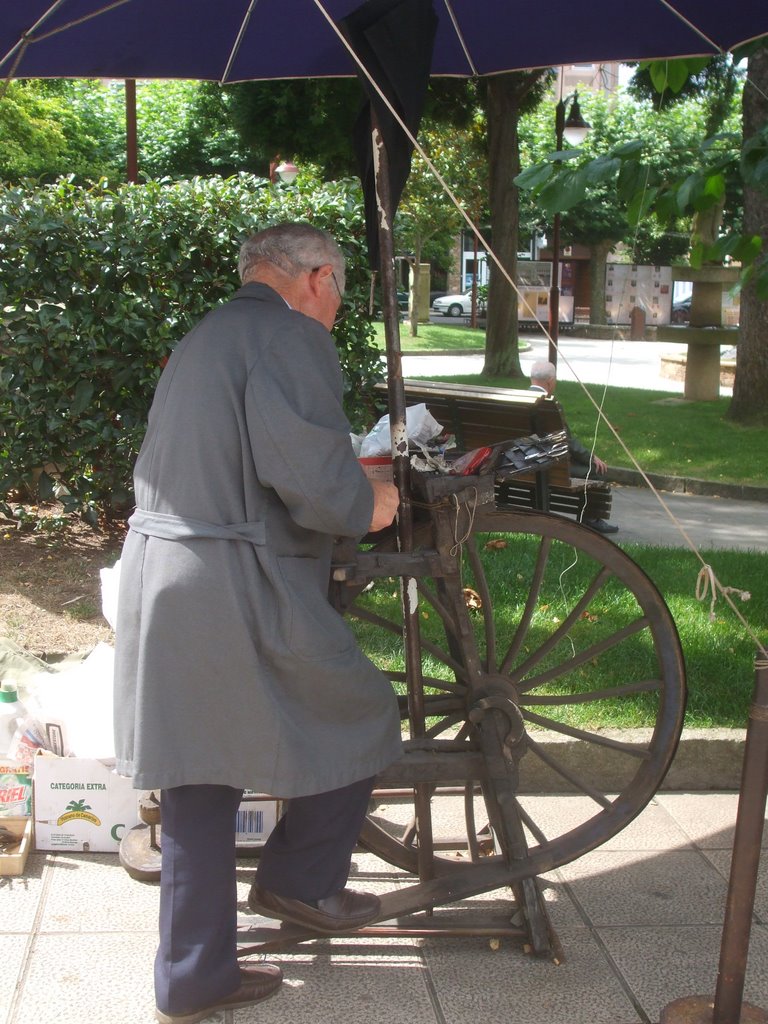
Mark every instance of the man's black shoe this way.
pixel 601 526
pixel 256 983
pixel 341 912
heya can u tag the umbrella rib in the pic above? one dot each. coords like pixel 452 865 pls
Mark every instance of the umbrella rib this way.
pixel 26 39
pixel 238 42
pixel 77 21
pixel 460 37
pixel 686 21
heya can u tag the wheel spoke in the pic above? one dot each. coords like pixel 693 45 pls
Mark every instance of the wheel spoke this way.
pixel 530 605
pixel 447 722
pixel 581 734
pixel 646 686
pixel 581 784
pixel 442 609
pixel 430 682
pixel 364 615
pixel 489 624
pixel 587 655
pixel 530 824
pixel 565 626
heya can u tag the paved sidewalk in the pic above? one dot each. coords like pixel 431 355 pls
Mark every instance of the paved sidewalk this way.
pixel 707 522
pixel 639 920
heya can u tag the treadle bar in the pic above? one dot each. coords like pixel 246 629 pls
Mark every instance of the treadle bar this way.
pixel 400 907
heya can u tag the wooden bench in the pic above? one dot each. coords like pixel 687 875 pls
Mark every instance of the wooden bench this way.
pixel 479 416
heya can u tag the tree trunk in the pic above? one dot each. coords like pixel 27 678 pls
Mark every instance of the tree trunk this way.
pixel 504 93
pixel 598 254
pixel 750 390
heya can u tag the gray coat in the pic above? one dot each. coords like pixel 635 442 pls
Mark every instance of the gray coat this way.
pixel 230 665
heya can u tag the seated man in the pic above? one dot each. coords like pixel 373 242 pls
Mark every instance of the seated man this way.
pixel 583 463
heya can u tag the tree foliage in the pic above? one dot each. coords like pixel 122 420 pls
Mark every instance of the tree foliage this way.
pixel 667 175
pixel 98 284
pixel 49 129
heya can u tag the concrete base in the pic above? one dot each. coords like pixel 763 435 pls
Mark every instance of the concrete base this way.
pixel 706 760
pixel 702 373
pixel 673 367
pixel 700 1010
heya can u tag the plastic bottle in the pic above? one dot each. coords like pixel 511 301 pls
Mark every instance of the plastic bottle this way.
pixel 10 709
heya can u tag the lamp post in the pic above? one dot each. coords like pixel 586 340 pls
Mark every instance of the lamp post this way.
pixel 284 171
pixel 573 129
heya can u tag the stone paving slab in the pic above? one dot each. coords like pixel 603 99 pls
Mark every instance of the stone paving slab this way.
pixel 639 921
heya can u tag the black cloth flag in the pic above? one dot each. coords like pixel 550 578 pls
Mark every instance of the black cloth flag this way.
pixel 394 40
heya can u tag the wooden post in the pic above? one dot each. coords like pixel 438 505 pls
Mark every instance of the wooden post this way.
pixel 131 133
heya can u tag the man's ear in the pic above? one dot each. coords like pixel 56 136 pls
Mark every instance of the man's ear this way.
pixel 317 277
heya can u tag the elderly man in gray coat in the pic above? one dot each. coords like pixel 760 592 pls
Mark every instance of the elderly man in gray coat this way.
pixel 232 669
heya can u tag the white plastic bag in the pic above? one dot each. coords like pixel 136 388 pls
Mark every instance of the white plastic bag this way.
pixel 70 712
pixel 110 585
pixel 420 425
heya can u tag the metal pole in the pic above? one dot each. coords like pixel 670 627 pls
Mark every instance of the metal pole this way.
pixel 131 132
pixel 473 315
pixel 554 290
pixel 728 1006
pixel 746 858
pixel 402 476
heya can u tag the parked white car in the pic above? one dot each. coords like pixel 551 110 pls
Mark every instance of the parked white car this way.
pixel 457 305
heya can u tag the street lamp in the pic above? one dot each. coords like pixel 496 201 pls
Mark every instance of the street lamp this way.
pixel 285 171
pixel 574 130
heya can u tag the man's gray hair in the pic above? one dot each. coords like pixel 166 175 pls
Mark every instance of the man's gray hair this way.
pixel 542 370
pixel 294 248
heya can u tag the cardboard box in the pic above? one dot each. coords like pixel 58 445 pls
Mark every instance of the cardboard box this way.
pixel 12 863
pixel 379 468
pixel 81 804
pixel 256 817
pixel 15 789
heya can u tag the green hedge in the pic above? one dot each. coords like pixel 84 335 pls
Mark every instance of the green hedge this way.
pixel 98 285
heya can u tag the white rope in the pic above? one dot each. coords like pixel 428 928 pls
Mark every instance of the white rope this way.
pixel 471 509
pixel 707 583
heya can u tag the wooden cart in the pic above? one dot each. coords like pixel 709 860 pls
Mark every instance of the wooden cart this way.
pixel 499 674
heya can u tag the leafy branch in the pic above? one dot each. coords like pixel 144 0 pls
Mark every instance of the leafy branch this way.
pixel 563 180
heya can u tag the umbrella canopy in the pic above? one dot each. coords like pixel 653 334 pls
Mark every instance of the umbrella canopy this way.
pixel 239 40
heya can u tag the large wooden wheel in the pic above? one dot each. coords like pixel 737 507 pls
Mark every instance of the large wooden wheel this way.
pixel 572 644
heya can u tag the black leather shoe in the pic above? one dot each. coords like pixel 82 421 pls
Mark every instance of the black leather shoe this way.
pixel 601 526
pixel 256 984
pixel 341 912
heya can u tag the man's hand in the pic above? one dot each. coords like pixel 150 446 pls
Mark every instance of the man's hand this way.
pixel 600 466
pixel 385 502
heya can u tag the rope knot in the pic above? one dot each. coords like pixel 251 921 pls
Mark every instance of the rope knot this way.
pixel 707 583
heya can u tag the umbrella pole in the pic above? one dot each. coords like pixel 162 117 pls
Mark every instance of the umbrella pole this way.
pixel 401 468
pixel 728 1006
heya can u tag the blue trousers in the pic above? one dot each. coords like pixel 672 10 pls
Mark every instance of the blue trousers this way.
pixel 307 857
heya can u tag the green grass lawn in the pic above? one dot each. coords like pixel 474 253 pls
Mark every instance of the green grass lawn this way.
pixel 719 654
pixel 452 336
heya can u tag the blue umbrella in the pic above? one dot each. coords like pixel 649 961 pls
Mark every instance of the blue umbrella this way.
pixel 237 40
